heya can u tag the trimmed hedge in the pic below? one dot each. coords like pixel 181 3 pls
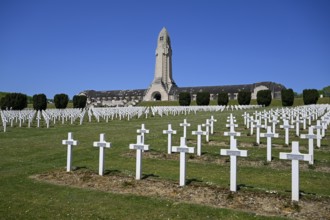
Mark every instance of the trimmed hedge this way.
pixel 14 101
pixel 79 101
pixel 61 100
pixel 310 96
pixel 223 98
pixel 287 96
pixel 203 98
pixel 244 98
pixel 264 97
pixel 184 98
pixel 39 102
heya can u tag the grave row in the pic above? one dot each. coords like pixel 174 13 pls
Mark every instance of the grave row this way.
pixel 233 152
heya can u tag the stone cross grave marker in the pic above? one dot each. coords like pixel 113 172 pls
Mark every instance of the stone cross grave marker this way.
pixel 139 147
pixel 258 125
pixel 295 156
pixel 185 125
pixel 169 133
pixel 212 120
pixel 297 121
pixel 101 144
pixel 142 131
pixel 232 134
pixel 286 126
pixel 69 142
pixel 269 135
pixel 207 126
pixel 310 136
pixel 183 149
pixel 274 121
pixel 245 116
pixel 233 152
pixel 199 134
pixel 318 128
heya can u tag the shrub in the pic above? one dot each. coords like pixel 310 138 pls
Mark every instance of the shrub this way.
pixel 264 97
pixel 61 100
pixel 79 101
pixel 39 102
pixel 184 98
pixel 223 98
pixel 14 101
pixel 310 96
pixel 287 96
pixel 244 98
pixel 203 98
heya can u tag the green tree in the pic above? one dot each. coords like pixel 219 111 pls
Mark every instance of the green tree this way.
pixel 223 98
pixel 287 96
pixel 264 97
pixel 61 100
pixel 203 98
pixel 14 101
pixel 326 91
pixel 39 102
pixel 184 98
pixel 79 101
pixel 244 97
pixel 310 96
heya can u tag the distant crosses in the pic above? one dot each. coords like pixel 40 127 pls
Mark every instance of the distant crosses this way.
pixel 233 152
pixel 286 126
pixel 207 125
pixel 184 125
pixel 69 142
pixel 169 133
pixel 183 149
pixel 142 131
pixel 139 147
pixel 310 136
pixel 101 144
pixel 318 128
pixel 295 156
pixel 269 135
pixel 199 134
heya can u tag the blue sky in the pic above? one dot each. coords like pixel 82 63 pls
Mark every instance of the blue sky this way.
pixel 67 46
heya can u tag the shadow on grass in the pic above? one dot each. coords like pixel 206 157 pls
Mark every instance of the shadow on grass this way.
pixel 241 186
pixel 190 181
pixel 146 176
pixel 111 172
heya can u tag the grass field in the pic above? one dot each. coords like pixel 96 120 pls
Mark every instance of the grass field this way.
pixel 29 151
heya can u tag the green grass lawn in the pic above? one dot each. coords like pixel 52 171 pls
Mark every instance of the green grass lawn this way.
pixel 28 151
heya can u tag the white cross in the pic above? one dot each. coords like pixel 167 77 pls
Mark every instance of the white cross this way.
pixel 324 127
pixel 310 136
pixel 185 125
pixel 142 131
pixel 212 120
pixel 274 121
pixel 183 149
pixel 269 135
pixel 245 115
pixel 139 147
pixel 199 134
pixel 169 133
pixel 286 128
pixel 297 121
pixel 101 144
pixel 232 134
pixel 70 142
pixel 258 125
pixel 233 152
pixel 207 126
pixel 318 128
pixel 295 156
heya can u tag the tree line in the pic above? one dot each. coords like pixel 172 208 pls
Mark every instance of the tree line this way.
pixel 264 97
pixel 19 101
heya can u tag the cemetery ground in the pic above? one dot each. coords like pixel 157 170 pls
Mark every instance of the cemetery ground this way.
pixel 34 183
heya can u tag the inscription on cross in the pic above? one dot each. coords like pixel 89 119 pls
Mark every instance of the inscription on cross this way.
pixel 69 142
pixel 295 156
pixel 101 144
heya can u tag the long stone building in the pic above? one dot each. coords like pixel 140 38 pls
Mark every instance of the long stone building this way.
pixel 163 87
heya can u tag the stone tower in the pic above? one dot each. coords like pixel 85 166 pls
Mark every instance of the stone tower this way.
pixel 163 81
